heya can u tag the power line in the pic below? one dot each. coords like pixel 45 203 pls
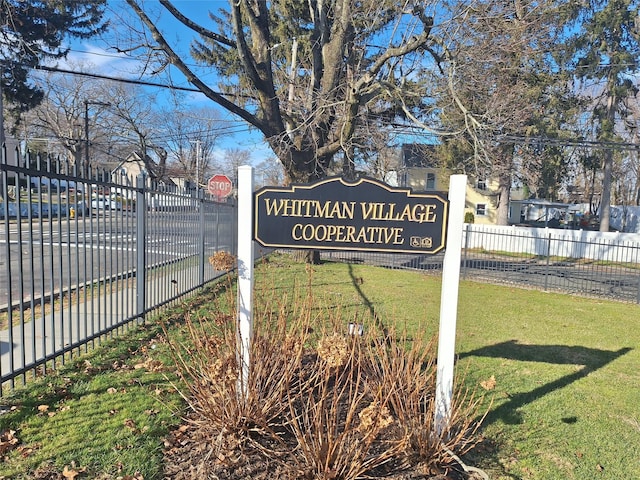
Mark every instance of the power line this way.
pixel 597 144
pixel 115 79
pixel 127 80
pixel 408 129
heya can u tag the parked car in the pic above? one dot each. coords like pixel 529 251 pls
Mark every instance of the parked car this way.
pixel 105 203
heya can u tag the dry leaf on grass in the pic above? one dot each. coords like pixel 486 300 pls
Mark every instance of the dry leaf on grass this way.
pixel 150 365
pixel 489 384
pixel 8 441
pixel 72 472
pixel 135 476
pixel 131 425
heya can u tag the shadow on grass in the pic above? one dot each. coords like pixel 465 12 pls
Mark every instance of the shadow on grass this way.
pixel 592 359
pixel 357 282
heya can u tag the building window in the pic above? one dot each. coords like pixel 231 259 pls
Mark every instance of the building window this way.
pixel 481 209
pixel 481 184
pixel 431 181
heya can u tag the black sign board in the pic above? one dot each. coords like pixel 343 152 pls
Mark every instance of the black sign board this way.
pixel 336 214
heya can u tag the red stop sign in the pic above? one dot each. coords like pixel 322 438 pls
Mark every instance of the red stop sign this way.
pixel 220 186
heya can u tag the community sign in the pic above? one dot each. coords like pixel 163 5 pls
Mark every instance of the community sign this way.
pixel 337 214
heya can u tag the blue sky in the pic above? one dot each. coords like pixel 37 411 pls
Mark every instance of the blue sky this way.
pixel 106 61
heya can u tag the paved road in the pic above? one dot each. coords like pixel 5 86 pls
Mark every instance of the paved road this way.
pixel 68 252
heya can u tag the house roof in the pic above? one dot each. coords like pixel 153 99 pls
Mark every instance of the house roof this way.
pixel 134 158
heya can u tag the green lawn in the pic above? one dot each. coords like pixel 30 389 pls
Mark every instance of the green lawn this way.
pixel 564 404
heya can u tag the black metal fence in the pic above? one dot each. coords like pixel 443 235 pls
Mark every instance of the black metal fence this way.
pixel 86 254
pixel 580 262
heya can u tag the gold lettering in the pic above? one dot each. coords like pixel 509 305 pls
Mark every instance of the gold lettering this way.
pixel 307 208
pixel 296 236
pixel 287 208
pixel 350 235
pixel 406 214
pixel 335 211
pixel 341 210
pixel 417 212
pixel 361 236
pixel 390 212
pixel 367 209
pixel 322 210
pixel 429 214
pixel 397 236
pixel 273 207
pixel 347 234
pixel 348 209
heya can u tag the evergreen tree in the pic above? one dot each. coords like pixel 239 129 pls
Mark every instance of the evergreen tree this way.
pixel 604 56
pixel 503 88
pixel 33 31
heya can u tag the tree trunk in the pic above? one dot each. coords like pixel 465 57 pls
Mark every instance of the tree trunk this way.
pixel 504 191
pixel 605 201
pixel 307 256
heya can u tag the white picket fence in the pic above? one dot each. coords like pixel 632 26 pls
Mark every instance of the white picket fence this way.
pixel 576 244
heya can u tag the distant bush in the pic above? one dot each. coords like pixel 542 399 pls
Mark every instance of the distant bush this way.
pixel 469 217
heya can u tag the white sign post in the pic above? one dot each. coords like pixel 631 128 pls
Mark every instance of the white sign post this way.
pixel 449 302
pixel 245 275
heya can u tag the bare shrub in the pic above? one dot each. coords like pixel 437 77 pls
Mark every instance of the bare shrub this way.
pixel 341 429
pixel 404 371
pixel 207 363
pixel 320 403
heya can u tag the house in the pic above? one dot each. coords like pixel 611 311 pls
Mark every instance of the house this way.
pixel 421 170
pixel 128 171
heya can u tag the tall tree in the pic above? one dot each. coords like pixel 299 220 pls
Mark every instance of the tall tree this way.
pixel 269 172
pixel 190 139
pixel 604 57
pixel 501 89
pixel 34 31
pixel 234 158
pixel 60 117
pixel 305 74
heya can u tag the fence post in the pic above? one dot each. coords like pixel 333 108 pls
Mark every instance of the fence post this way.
pixel 201 205
pixel 217 224
pixel 141 250
pixel 466 250
pixel 546 276
pixel 449 305
pixel 4 188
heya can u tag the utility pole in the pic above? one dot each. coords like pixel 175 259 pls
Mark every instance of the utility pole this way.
pixel 1 108
pixel 197 164
pixel 197 173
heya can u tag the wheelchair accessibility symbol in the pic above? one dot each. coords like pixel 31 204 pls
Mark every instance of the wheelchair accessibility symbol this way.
pixel 421 242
